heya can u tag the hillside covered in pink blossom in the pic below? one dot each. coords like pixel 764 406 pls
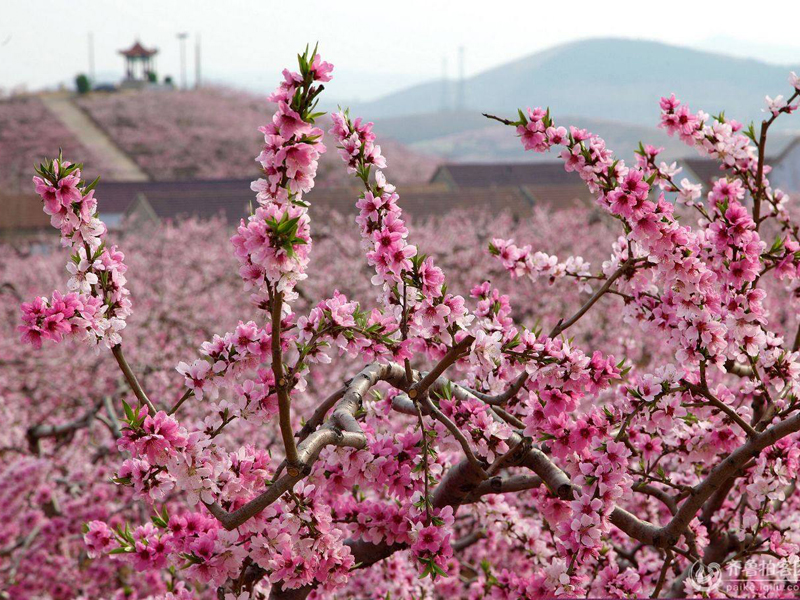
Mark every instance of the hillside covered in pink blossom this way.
pixel 28 133
pixel 211 133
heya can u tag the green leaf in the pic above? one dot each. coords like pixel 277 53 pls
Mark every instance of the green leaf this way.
pixel 128 411
pixel 91 186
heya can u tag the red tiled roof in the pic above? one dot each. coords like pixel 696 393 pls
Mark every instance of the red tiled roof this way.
pixel 117 197
pixel 22 213
pixel 427 201
pixel 230 198
pixel 138 51
pixel 559 196
pixel 705 170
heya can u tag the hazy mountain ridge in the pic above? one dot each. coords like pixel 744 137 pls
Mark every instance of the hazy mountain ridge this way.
pixel 610 79
pixel 468 136
pixel 609 86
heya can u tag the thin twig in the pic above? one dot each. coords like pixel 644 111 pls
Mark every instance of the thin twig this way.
pixel 188 394
pixel 663 575
pixel 500 119
pixel 714 401
pixel 425 468
pixel 456 433
pixel 468 540
pixel 561 326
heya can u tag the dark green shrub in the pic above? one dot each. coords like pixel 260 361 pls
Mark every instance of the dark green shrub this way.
pixel 82 84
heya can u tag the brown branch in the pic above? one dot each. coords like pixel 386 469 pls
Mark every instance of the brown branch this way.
pixel 456 352
pixel 658 494
pixel 762 152
pixel 36 433
pixel 453 490
pixel 508 417
pixel 504 485
pixel 717 403
pixel 554 478
pixel 319 415
pixel 456 433
pixel 762 143
pixel 667 536
pixel 504 396
pixel 403 404
pixel 563 325
pixel 460 483
pixel 513 456
pixel 560 327
pixel 721 473
pixel 468 540
pixel 130 377
pixel 188 394
pixel 500 119
pixel 340 430
pixel 663 575
pixel 294 467
pixel 738 369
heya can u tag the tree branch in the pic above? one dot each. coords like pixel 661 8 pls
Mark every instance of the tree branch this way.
pixel 456 433
pixel 715 402
pixel 456 352
pixel 504 485
pixel 36 433
pixel 319 414
pixel 131 378
pixel 561 326
pixel 282 389
pixel 341 430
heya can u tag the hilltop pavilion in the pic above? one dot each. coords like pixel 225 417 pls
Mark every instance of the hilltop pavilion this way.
pixel 139 62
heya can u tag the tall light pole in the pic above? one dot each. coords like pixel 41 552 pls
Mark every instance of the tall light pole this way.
pixel 182 37
pixel 462 88
pixel 91 58
pixel 197 79
pixel 445 86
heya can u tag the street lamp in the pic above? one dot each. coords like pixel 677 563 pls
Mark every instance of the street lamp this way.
pixel 182 37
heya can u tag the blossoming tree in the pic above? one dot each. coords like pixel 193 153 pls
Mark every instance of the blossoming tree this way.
pixel 462 454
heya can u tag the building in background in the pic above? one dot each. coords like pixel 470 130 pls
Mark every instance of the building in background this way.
pixel 140 66
pixel 544 184
pixel 783 157
pixel 515 188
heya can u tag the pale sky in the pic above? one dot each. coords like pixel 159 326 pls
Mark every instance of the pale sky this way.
pixel 377 46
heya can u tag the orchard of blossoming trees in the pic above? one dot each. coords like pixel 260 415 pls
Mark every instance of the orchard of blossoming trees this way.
pixel 27 131
pixel 209 133
pixel 643 423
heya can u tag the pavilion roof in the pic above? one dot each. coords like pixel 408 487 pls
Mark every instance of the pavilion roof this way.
pixel 138 51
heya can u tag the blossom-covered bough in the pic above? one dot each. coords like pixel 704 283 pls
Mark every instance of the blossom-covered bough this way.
pixel 491 459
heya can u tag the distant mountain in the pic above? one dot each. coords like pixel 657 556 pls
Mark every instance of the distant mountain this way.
pixel 611 79
pixel 470 137
pixel 467 136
